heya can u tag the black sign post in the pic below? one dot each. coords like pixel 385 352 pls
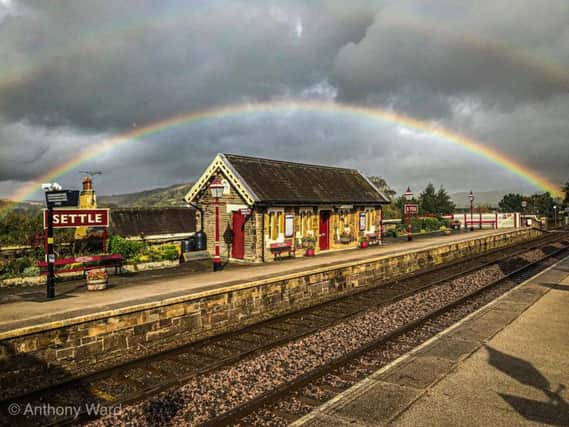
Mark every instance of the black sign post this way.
pixel 62 198
pixel 50 254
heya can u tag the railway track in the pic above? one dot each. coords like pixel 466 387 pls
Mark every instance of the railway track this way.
pixel 140 380
pixel 297 398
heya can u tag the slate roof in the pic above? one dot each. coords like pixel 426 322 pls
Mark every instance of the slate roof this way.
pixel 275 181
pixel 152 221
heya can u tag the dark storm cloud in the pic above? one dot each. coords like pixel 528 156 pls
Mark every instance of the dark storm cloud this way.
pixel 459 49
pixel 75 73
pixel 115 69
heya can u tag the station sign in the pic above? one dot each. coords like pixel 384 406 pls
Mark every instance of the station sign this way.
pixel 245 211
pixel 411 208
pixel 64 198
pixel 71 218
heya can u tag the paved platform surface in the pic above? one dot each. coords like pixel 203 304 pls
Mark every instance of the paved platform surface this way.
pixel 31 308
pixel 506 365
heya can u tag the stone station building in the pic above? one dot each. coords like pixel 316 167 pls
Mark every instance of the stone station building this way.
pixel 267 203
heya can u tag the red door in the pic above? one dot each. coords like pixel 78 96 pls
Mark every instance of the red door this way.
pixel 238 244
pixel 324 241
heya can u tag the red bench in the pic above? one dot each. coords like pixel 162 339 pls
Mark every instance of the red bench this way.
pixel 69 265
pixel 277 249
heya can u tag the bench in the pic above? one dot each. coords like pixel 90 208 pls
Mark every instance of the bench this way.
pixel 373 239
pixel 277 249
pixel 84 263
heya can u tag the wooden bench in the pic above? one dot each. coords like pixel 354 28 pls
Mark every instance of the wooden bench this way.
pixel 277 249
pixel 373 239
pixel 84 263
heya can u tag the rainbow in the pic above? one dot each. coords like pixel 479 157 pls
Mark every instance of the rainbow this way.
pixel 274 107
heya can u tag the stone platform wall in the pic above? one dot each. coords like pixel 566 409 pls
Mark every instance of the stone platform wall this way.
pixel 65 349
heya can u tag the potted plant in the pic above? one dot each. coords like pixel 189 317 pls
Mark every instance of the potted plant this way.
pixel 308 243
pixel 97 279
pixel 364 242
pixel 346 237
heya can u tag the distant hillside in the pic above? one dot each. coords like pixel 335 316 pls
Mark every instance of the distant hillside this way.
pixel 157 197
pixel 485 197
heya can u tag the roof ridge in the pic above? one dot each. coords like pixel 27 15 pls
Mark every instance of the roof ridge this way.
pixel 290 162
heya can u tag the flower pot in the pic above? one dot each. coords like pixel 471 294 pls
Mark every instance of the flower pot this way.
pixel 309 252
pixel 97 285
pixel 364 244
pixel 97 280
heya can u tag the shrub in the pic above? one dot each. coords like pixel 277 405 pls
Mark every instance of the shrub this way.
pixel 31 271
pixel 129 249
pixel 169 252
pixel 16 266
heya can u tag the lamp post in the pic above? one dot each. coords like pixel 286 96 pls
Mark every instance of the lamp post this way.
pixel 409 196
pixel 555 216
pixel 471 198
pixel 216 188
pixel 50 255
pixel 524 206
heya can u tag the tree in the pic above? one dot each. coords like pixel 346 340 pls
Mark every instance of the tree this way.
pixel 381 184
pixel 444 204
pixel 565 189
pixel 541 204
pixel 511 203
pixel 428 200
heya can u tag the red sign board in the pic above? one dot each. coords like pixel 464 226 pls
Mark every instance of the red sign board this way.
pixel 71 218
pixel 411 208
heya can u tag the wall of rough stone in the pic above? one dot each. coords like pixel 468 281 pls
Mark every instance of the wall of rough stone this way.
pixel 67 348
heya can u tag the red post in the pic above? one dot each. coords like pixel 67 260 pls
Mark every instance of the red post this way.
pixel 480 218
pixel 380 226
pixel 409 229
pixel 217 260
pixel 496 220
pixel 465 221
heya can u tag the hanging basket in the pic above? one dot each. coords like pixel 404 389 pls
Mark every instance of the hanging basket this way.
pixel 97 280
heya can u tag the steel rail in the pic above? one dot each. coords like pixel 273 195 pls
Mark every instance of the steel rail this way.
pixel 239 355
pixel 285 389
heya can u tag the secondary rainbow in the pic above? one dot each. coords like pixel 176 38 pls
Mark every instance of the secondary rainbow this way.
pixel 276 107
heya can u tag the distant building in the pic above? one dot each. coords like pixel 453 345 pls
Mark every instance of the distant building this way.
pixel 268 202
pixel 87 200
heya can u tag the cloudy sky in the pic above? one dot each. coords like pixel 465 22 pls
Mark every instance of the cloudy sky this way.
pixel 75 73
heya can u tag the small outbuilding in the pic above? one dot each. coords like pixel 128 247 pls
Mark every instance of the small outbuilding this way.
pixel 267 204
pixel 153 225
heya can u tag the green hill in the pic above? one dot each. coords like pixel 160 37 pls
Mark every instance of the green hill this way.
pixel 157 197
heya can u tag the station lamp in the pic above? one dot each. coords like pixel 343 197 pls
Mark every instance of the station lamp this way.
pixel 524 206
pixel 48 187
pixel 409 196
pixel 216 187
pixel 471 198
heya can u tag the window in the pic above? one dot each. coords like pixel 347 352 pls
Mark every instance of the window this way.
pixel 289 225
pixel 363 221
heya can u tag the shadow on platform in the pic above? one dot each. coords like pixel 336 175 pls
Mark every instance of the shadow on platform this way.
pixel 556 286
pixel 554 411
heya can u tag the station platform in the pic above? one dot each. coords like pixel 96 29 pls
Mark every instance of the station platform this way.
pixel 30 308
pixel 505 365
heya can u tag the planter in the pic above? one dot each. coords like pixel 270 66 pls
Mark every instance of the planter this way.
pixel 97 285
pixel 97 280
pixel 364 244
pixel 309 252
pixel 345 240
